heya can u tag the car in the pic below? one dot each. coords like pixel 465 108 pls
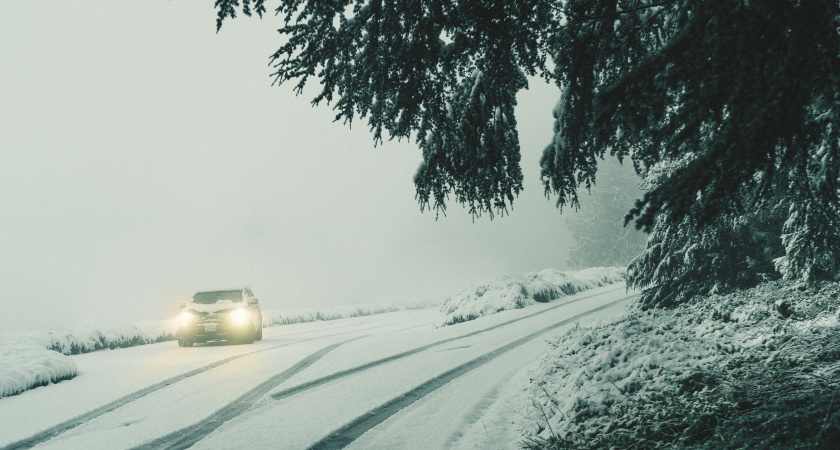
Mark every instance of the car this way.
pixel 232 315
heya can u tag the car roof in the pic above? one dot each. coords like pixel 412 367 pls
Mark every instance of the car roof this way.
pixel 223 290
pixel 220 290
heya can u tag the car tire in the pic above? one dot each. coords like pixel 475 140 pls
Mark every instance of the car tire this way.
pixel 182 342
pixel 259 335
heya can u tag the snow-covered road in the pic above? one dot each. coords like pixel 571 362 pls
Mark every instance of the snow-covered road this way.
pixel 384 381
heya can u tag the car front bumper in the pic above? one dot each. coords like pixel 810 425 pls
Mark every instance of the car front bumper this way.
pixel 215 331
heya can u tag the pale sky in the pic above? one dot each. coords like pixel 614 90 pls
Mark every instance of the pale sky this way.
pixel 143 157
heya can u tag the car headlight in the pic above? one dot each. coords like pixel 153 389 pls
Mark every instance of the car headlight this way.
pixel 240 315
pixel 187 317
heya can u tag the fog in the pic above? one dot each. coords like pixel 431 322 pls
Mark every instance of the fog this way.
pixel 143 157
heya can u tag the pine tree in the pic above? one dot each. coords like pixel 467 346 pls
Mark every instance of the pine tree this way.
pixel 740 97
pixel 686 259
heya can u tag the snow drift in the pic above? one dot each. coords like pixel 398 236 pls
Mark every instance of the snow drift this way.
pixel 33 359
pixel 519 291
pixel 26 365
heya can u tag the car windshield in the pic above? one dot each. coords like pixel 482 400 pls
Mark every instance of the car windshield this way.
pixel 208 298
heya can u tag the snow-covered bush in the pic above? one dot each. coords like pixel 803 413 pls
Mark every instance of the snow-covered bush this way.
pixel 754 369
pixel 26 365
pixel 32 359
pixel 89 339
pixel 519 291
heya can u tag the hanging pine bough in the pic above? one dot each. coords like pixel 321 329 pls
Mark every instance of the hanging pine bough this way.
pixel 739 98
pixel 445 73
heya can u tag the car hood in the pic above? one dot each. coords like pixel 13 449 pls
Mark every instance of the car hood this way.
pixel 213 307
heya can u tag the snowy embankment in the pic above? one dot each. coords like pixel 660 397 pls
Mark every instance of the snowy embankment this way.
pixel 33 359
pixel 25 366
pixel 758 368
pixel 519 291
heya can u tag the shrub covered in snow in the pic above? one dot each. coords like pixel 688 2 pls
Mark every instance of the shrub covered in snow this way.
pixel 29 360
pixel 25 365
pixel 89 339
pixel 753 369
pixel 519 291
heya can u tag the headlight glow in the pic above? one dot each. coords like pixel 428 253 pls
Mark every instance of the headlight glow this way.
pixel 187 317
pixel 239 315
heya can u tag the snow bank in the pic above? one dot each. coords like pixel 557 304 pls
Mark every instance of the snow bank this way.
pixel 519 291
pixel 737 368
pixel 89 339
pixel 26 365
pixel 29 360
pixel 588 371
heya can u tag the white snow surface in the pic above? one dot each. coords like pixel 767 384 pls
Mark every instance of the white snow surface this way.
pixel 453 416
pixel 27 361
pixel 518 291
pixel 303 315
pixel 36 358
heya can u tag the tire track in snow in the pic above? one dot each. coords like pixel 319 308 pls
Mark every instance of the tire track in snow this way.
pixel 347 325
pixel 63 427
pixel 68 425
pixel 476 414
pixel 349 433
pixel 187 436
pixel 344 373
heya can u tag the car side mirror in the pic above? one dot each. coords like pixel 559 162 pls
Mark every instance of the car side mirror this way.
pixel 253 301
pixel 182 304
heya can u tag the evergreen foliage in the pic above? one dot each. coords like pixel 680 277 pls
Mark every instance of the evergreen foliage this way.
pixel 686 259
pixel 739 98
pixel 445 72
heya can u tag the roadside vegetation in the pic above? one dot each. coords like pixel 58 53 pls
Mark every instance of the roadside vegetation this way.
pixel 518 291
pixel 757 368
